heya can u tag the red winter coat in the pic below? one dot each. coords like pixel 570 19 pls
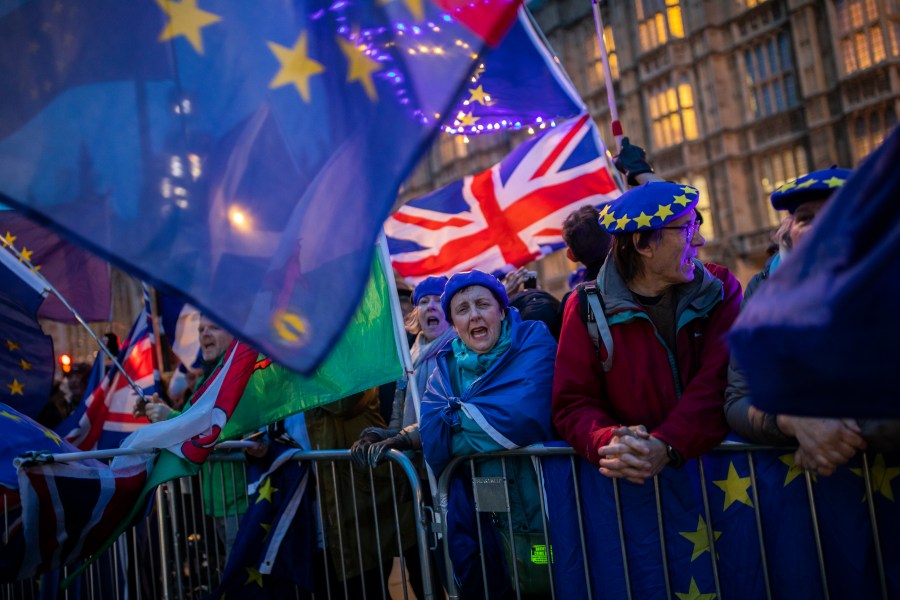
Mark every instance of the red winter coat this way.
pixel 681 400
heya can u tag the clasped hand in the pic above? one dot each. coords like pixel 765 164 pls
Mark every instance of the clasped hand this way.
pixel 633 454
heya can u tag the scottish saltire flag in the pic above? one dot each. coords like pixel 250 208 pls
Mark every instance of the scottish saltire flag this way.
pixel 26 354
pixel 274 552
pixel 508 215
pixel 66 510
pixel 79 276
pixel 105 417
pixel 239 155
pixel 818 339
pixel 517 84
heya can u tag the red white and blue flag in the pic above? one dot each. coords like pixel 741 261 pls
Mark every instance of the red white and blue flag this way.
pixel 508 215
pixel 105 417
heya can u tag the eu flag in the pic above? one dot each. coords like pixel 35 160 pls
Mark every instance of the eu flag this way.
pixel 239 155
pixel 26 354
pixel 79 276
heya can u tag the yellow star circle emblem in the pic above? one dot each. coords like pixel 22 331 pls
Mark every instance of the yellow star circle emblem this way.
pixel 834 182
pixel 360 66
pixel 642 220
pixel 478 95
pixel 807 183
pixel 266 490
pixel 16 388
pixel 622 222
pixel 663 211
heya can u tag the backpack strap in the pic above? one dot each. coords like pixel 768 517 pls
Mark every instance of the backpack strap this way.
pixel 594 318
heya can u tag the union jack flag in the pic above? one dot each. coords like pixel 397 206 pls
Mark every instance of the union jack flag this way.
pixel 507 215
pixel 104 418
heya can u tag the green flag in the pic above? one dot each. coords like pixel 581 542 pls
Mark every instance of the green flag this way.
pixel 366 356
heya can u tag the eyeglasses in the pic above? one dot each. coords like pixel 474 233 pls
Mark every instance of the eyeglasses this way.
pixel 689 229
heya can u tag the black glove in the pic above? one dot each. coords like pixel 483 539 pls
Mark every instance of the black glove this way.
pixel 632 161
pixel 378 450
pixel 359 451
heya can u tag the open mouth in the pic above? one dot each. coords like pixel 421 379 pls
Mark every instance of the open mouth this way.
pixel 478 332
pixel 432 321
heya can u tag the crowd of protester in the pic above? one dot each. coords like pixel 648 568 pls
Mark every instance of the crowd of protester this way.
pixel 632 369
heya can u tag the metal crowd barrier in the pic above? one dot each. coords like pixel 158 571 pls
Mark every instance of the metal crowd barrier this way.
pixel 492 496
pixel 177 552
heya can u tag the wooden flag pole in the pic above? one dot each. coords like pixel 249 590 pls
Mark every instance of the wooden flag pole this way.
pixel 616 125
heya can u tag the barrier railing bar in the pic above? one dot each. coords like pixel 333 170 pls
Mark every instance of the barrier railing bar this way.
pixel 512 537
pixel 757 512
pixel 176 551
pixel 548 549
pixel 377 523
pixel 584 558
pixel 816 533
pixel 399 534
pixel 710 530
pixel 662 536
pixel 340 531
pixel 184 529
pixel 359 554
pixel 876 540
pixel 163 553
pixel 487 593
pixel 321 518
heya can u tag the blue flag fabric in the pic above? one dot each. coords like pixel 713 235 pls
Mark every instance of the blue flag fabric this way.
pixel 241 156
pixel 79 276
pixel 276 541
pixel 518 84
pixel 819 338
pixel 26 354
pixel 791 559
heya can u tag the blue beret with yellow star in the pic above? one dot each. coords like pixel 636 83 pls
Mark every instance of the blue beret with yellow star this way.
pixel 648 207
pixel 818 185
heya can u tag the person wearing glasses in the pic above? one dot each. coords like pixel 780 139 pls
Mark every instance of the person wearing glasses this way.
pixel 642 362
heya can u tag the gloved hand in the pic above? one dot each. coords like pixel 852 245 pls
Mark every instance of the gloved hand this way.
pixel 154 409
pixel 359 451
pixel 632 161
pixel 378 450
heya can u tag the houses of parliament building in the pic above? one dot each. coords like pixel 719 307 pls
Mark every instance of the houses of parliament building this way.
pixel 734 97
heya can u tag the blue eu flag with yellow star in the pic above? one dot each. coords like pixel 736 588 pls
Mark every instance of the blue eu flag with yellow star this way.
pixel 238 155
pixel 26 354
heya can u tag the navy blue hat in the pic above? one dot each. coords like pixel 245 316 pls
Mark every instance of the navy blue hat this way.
pixel 429 286
pixel 648 207
pixel 473 277
pixel 818 185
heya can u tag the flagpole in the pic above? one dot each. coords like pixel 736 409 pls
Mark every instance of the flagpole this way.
pixel 155 347
pixel 52 288
pixel 616 126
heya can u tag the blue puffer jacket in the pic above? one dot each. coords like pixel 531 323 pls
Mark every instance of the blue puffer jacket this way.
pixel 510 402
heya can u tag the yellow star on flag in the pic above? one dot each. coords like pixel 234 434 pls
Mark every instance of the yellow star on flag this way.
pixel 693 593
pixel 622 222
pixel 643 220
pixel 686 189
pixel 52 436
pixel 735 487
pixel 9 415
pixel 253 576
pixel 699 538
pixel 187 20
pixel 12 345
pixel 26 366
pixel 8 239
pixel 468 119
pixel 807 183
pixel 608 218
pixel 603 212
pixel 793 470
pixel 413 6
pixel 663 212
pixel 266 527
pixel 26 254
pixel 478 95
pixel 787 186
pixel 361 67
pixel 834 182
pixel 296 66
pixel 266 491
pixel 681 200
pixel 882 476
pixel 15 388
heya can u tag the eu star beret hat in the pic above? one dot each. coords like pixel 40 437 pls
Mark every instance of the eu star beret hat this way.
pixel 474 277
pixel 818 185
pixel 648 207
